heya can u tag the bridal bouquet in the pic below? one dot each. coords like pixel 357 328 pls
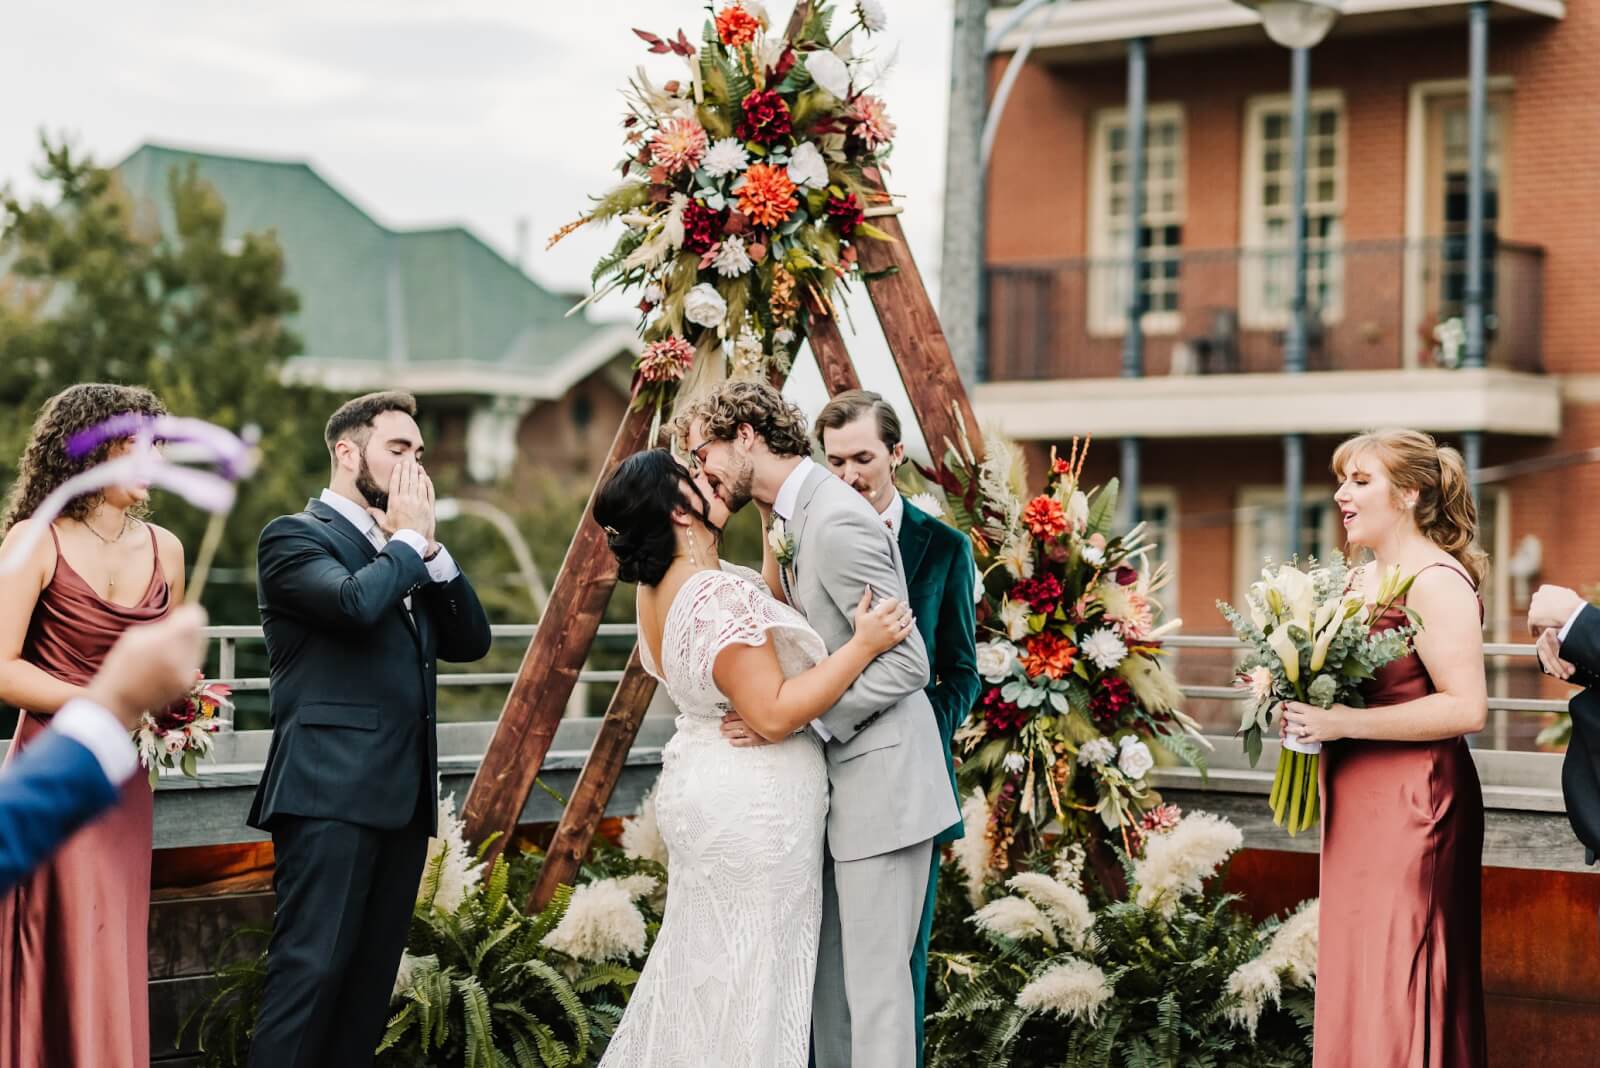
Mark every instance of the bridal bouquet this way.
pixel 179 735
pixel 747 180
pixel 1311 641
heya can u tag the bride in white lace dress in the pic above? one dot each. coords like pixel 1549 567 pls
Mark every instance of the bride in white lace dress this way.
pixel 728 983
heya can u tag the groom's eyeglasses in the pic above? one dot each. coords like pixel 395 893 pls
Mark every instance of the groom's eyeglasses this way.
pixel 698 454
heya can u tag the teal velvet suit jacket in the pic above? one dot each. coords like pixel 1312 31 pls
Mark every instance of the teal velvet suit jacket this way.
pixel 941 576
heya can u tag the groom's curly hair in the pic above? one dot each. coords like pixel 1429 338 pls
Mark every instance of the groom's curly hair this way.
pixel 777 422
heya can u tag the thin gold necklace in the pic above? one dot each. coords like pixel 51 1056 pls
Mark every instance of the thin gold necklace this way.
pixel 127 521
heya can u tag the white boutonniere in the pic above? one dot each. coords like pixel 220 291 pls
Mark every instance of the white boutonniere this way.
pixel 781 543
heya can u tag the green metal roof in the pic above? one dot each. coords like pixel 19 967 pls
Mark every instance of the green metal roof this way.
pixel 375 300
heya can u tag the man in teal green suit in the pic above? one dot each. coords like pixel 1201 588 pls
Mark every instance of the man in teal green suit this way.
pixel 860 437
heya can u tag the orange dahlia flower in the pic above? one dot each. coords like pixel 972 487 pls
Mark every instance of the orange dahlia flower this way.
pixel 1049 654
pixel 767 195
pixel 736 26
pixel 1044 517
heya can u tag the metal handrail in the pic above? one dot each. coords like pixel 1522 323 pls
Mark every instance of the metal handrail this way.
pixel 230 636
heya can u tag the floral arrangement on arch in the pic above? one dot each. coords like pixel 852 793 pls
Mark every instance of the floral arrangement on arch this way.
pixel 1070 652
pixel 747 183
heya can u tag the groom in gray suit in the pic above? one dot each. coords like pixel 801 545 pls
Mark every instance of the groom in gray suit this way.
pixel 890 793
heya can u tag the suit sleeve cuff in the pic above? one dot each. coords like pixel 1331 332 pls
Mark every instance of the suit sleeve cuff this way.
pixel 1573 618
pixel 98 731
pixel 442 568
pixel 822 732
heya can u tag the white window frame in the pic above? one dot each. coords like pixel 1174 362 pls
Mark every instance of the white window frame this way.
pixel 1254 312
pixel 1167 497
pixel 1249 557
pixel 1108 317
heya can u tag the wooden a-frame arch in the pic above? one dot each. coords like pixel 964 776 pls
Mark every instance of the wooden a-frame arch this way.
pixel 571 619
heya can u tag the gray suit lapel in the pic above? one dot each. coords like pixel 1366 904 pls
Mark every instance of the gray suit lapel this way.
pixel 797 523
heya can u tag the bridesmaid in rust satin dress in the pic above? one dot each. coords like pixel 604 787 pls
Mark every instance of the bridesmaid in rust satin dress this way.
pixel 74 935
pixel 1399 969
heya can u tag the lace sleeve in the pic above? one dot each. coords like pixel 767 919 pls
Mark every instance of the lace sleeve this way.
pixel 732 610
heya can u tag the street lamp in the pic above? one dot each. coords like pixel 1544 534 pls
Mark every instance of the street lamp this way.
pixel 1298 25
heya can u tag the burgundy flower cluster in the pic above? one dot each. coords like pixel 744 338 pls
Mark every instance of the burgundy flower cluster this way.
pixel 1111 705
pixel 1001 714
pixel 766 118
pixel 845 213
pixel 702 228
pixel 1042 593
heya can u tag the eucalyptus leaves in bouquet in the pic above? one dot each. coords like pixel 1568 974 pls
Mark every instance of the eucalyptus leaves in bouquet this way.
pixel 1175 974
pixel 1311 640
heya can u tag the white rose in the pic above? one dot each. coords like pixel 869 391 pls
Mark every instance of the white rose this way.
pixel 807 167
pixel 1097 751
pixel 778 537
pixel 829 72
pixel 1135 759
pixel 977 585
pixel 704 306
pixel 995 660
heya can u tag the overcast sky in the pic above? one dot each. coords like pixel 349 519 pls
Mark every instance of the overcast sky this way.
pixel 480 112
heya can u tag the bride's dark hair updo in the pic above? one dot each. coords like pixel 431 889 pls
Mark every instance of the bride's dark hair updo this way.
pixel 635 508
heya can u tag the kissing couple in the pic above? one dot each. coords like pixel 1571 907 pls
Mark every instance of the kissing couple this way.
pixel 800 797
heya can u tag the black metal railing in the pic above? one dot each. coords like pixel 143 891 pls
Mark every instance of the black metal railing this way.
pixel 1373 305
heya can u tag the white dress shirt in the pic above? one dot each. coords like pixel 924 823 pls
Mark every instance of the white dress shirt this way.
pixel 103 734
pixel 789 493
pixel 895 514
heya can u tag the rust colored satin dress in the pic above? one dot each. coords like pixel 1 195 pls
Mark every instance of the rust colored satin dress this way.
pixel 74 963
pixel 1399 968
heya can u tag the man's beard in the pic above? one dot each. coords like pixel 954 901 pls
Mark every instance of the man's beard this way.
pixel 368 487
pixel 737 494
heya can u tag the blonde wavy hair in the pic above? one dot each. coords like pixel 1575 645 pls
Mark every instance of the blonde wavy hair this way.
pixel 1445 511
pixel 740 401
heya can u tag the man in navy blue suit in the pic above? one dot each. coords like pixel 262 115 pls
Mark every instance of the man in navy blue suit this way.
pixel 75 770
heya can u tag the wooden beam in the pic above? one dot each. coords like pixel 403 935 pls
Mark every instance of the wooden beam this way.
pixel 587 805
pixel 916 340
pixel 550 667
pixel 828 348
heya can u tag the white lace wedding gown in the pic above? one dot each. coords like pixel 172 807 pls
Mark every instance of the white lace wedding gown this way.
pixel 728 982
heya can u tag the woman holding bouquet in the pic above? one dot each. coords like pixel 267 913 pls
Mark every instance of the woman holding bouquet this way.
pixel 73 937
pixel 1399 975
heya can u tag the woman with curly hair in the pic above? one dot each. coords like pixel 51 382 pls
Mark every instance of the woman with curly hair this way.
pixel 73 937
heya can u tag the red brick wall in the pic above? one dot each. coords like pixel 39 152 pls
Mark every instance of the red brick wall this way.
pixel 1038 211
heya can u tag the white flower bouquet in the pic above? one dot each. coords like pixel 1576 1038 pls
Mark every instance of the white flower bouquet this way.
pixel 1311 640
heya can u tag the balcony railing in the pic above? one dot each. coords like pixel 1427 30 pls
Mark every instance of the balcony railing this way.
pixel 1373 305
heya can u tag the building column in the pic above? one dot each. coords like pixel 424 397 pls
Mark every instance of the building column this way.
pixel 1294 346
pixel 1133 330
pixel 1474 352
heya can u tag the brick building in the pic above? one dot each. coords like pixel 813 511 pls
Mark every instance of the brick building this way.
pixel 1387 155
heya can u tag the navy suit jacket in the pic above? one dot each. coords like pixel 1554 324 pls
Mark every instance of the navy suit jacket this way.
pixel 52 788
pixel 353 689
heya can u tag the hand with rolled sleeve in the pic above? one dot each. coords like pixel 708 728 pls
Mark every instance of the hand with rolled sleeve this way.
pixel 74 770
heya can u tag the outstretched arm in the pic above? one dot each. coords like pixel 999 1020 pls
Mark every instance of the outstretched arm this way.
pixel 855 555
pixel 299 574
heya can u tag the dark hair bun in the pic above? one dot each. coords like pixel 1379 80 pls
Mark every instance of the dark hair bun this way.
pixel 635 508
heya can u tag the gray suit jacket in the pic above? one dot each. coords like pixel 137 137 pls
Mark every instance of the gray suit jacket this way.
pixel 885 760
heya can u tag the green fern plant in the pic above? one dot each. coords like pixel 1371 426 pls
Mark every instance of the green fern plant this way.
pixel 1170 1004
